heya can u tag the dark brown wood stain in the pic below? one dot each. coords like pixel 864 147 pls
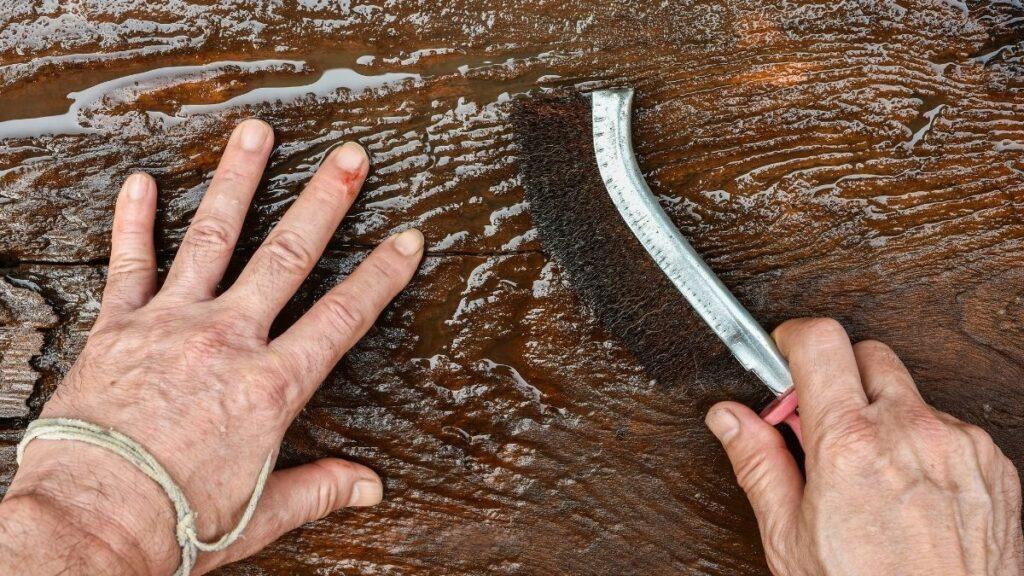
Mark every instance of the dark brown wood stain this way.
pixel 855 159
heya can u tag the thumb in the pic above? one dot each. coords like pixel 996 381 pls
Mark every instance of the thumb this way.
pixel 764 468
pixel 295 496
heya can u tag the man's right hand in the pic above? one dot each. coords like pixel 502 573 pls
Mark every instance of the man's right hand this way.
pixel 892 485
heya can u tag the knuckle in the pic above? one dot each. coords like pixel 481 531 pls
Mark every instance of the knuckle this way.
pixel 984 447
pixel 323 192
pixel 326 497
pixel 939 440
pixel 778 563
pixel 129 264
pixel 928 428
pixel 266 397
pixel 847 443
pixel 752 473
pixel 873 348
pixel 205 345
pixel 220 338
pixel 273 393
pixel 344 318
pixel 978 436
pixel 232 175
pixel 385 268
pixel 823 332
pixel 328 493
pixel 106 331
pixel 210 233
pixel 129 227
pixel 779 547
pixel 165 315
pixel 261 401
pixel 1012 478
pixel 273 396
pixel 284 367
pixel 289 252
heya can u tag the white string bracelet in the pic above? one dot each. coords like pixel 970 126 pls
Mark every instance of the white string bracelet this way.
pixel 132 451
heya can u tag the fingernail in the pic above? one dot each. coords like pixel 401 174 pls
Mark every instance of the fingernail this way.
pixel 409 243
pixel 351 157
pixel 136 186
pixel 723 423
pixel 366 493
pixel 253 135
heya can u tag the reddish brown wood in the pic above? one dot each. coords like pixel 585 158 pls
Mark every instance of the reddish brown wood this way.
pixel 855 159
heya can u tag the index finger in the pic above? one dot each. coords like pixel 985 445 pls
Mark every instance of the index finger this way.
pixel 824 369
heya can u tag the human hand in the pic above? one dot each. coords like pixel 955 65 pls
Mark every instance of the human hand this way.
pixel 892 485
pixel 194 378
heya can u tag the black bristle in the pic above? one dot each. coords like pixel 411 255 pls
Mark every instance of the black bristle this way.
pixel 605 263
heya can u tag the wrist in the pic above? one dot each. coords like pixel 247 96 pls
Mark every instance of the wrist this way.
pixel 110 518
pixel 37 538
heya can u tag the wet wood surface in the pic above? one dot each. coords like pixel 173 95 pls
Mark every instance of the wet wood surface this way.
pixel 855 159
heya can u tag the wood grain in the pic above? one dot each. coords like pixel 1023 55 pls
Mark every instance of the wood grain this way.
pixel 854 159
pixel 24 317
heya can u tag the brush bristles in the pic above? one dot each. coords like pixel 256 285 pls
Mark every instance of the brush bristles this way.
pixel 581 228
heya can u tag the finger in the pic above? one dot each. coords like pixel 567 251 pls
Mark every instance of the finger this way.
pixel 131 276
pixel 883 374
pixel 210 239
pixel 295 496
pixel 293 247
pixel 824 369
pixel 315 343
pixel 764 468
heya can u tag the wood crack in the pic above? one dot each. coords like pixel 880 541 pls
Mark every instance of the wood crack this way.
pixel 168 256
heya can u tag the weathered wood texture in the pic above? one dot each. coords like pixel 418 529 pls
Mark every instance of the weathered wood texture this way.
pixel 24 315
pixel 856 159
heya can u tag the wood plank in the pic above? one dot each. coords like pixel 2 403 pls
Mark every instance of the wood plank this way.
pixel 505 419
pixel 745 107
pixel 859 160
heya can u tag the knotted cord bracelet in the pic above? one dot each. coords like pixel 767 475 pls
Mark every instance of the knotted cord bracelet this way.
pixel 132 451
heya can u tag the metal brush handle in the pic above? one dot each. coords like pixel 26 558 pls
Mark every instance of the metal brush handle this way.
pixel 715 304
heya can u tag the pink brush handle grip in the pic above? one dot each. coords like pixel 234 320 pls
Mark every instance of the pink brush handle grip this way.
pixel 783 410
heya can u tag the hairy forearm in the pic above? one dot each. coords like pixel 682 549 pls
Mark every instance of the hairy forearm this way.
pixel 37 537
pixel 84 513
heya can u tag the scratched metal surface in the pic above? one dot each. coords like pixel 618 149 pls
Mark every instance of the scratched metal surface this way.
pixel 860 159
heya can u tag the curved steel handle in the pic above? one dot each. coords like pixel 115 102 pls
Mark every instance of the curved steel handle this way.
pixel 713 302
pixel 705 292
